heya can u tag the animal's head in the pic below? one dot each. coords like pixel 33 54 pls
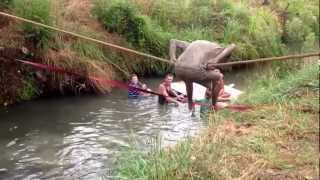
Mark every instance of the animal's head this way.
pixel 225 54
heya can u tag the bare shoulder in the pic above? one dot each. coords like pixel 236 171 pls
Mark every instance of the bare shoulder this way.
pixel 161 86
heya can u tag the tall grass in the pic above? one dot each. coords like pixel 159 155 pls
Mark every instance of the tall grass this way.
pixel 256 30
pixel 279 86
pixel 37 10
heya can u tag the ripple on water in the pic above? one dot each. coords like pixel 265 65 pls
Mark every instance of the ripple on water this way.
pixel 73 138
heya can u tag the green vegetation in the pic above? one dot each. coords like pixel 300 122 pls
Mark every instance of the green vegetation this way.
pixel 123 18
pixel 29 89
pixel 257 30
pixel 278 28
pixel 37 10
pixel 269 88
pixel 4 4
pixel 274 140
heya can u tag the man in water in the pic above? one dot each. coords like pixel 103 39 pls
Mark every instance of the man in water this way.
pixel 135 83
pixel 168 95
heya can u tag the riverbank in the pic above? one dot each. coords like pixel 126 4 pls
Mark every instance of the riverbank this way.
pixel 278 139
pixel 258 29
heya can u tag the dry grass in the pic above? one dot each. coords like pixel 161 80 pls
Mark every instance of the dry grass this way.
pixel 69 60
pixel 10 36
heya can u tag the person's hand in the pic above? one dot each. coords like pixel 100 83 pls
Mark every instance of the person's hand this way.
pixel 176 103
pixel 180 97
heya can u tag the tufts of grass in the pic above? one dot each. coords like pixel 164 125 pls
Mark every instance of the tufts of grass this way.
pixel 279 86
pixel 29 89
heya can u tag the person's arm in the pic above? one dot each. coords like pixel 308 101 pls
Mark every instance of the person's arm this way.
pixel 163 91
pixel 174 93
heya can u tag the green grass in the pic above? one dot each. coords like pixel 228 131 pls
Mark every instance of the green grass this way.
pixel 36 10
pixel 256 30
pixel 4 4
pixel 29 89
pixel 277 140
pixel 270 87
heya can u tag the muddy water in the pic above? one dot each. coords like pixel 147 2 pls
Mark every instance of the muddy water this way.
pixel 66 138
pixel 80 137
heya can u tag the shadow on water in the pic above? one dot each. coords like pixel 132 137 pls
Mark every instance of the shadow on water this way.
pixel 66 138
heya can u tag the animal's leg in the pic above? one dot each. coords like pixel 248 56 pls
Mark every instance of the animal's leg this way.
pixel 216 88
pixel 215 78
pixel 174 44
pixel 189 94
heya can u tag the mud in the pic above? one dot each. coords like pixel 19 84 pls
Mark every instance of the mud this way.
pixel 11 79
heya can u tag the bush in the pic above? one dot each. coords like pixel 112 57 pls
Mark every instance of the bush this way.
pixel 29 89
pixel 139 30
pixel 4 4
pixel 265 33
pixel 36 10
pixel 296 33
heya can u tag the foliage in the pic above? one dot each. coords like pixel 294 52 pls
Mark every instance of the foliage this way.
pixel 29 89
pixel 279 86
pixel 36 10
pixel 4 4
pixel 123 18
pixel 258 31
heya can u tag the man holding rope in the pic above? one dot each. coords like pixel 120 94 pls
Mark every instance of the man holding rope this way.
pixel 168 94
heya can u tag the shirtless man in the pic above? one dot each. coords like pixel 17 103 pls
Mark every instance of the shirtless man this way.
pixel 168 95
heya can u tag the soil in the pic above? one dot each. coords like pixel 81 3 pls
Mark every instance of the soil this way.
pixel 11 79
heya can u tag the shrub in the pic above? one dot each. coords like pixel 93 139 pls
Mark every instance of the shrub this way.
pixel 36 10
pixel 296 33
pixel 309 43
pixel 29 89
pixel 4 4
pixel 139 30
pixel 265 33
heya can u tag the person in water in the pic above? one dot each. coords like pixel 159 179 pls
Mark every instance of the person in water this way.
pixel 222 98
pixel 168 94
pixel 135 83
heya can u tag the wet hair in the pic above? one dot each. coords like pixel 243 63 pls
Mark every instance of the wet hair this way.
pixel 169 75
pixel 134 75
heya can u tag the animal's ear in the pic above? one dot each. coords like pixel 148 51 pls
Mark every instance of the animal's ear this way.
pixel 226 53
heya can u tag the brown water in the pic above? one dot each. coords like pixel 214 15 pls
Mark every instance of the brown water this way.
pixel 80 137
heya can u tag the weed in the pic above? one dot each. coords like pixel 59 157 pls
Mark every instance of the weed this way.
pixel 36 10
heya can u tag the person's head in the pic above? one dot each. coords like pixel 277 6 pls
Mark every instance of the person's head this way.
pixel 208 93
pixel 218 71
pixel 168 79
pixel 134 78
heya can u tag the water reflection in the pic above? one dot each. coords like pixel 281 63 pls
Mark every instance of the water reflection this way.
pixel 68 138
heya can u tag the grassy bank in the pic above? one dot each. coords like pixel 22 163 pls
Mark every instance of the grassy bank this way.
pixel 278 139
pixel 258 30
